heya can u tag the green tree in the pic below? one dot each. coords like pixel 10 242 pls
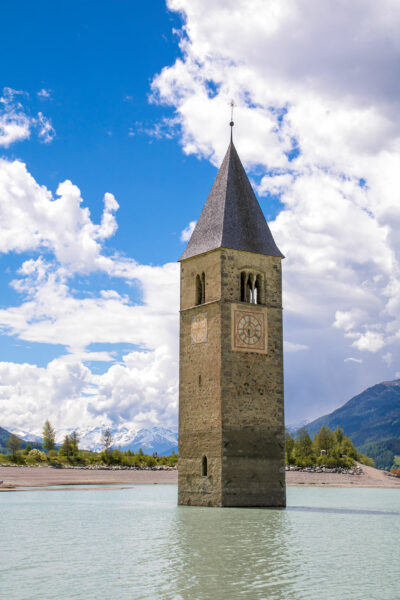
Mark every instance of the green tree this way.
pixel 150 461
pixel 324 440
pixel 117 457
pixel 106 439
pixel 347 448
pixel 289 447
pixel 13 444
pixel 339 435
pixel 365 460
pixel 49 437
pixel 66 448
pixel 74 439
pixel 303 448
pixel 37 455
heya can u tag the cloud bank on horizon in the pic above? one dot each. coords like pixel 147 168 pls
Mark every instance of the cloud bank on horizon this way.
pixel 316 89
pixel 141 387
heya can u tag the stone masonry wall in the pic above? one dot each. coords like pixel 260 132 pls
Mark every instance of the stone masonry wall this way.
pixel 253 469
pixel 233 414
pixel 200 387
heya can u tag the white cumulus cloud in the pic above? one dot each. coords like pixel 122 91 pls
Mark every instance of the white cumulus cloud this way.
pixel 140 387
pixel 316 124
pixel 32 219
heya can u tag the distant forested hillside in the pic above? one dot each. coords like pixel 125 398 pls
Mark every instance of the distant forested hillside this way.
pixel 372 420
pixel 385 454
pixel 4 435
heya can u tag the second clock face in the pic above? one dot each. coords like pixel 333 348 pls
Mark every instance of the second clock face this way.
pixel 249 330
pixel 198 329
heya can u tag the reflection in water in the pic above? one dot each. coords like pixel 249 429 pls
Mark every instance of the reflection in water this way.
pixel 232 553
pixel 137 544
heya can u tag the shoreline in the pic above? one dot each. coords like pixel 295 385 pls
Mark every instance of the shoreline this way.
pixel 15 478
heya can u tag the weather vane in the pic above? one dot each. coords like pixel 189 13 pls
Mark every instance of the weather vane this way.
pixel 232 105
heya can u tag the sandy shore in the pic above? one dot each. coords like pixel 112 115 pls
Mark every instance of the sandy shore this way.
pixel 47 476
pixel 369 478
pixel 26 477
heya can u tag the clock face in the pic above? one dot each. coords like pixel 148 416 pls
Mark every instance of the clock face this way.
pixel 198 329
pixel 249 330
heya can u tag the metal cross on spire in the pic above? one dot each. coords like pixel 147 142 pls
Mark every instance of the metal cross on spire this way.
pixel 232 105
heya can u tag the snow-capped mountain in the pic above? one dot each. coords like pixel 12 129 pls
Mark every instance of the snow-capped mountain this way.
pixel 157 439
pixel 26 436
pixel 90 437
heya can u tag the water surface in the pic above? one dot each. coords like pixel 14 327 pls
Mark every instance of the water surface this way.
pixel 135 543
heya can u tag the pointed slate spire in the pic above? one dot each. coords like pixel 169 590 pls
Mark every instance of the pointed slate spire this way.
pixel 232 217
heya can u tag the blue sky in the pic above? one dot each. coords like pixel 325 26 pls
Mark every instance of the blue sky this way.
pixel 98 65
pixel 129 102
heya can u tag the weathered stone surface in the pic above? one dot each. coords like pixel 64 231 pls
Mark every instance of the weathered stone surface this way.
pixel 230 401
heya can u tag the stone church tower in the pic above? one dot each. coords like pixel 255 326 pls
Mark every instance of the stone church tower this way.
pixel 231 422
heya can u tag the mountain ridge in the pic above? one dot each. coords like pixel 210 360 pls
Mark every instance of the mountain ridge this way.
pixel 4 436
pixel 371 416
pixel 372 421
pixel 162 440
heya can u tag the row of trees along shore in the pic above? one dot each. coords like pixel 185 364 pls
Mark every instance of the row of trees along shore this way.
pixel 327 448
pixel 69 453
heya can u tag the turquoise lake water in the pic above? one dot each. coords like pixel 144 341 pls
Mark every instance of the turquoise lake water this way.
pixel 135 543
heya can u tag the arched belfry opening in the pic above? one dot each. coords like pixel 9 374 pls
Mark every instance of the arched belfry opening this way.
pixel 200 289
pixel 242 286
pixel 204 467
pixel 258 290
pixel 251 287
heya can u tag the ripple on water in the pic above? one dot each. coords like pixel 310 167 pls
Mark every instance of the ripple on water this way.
pixel 134 544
